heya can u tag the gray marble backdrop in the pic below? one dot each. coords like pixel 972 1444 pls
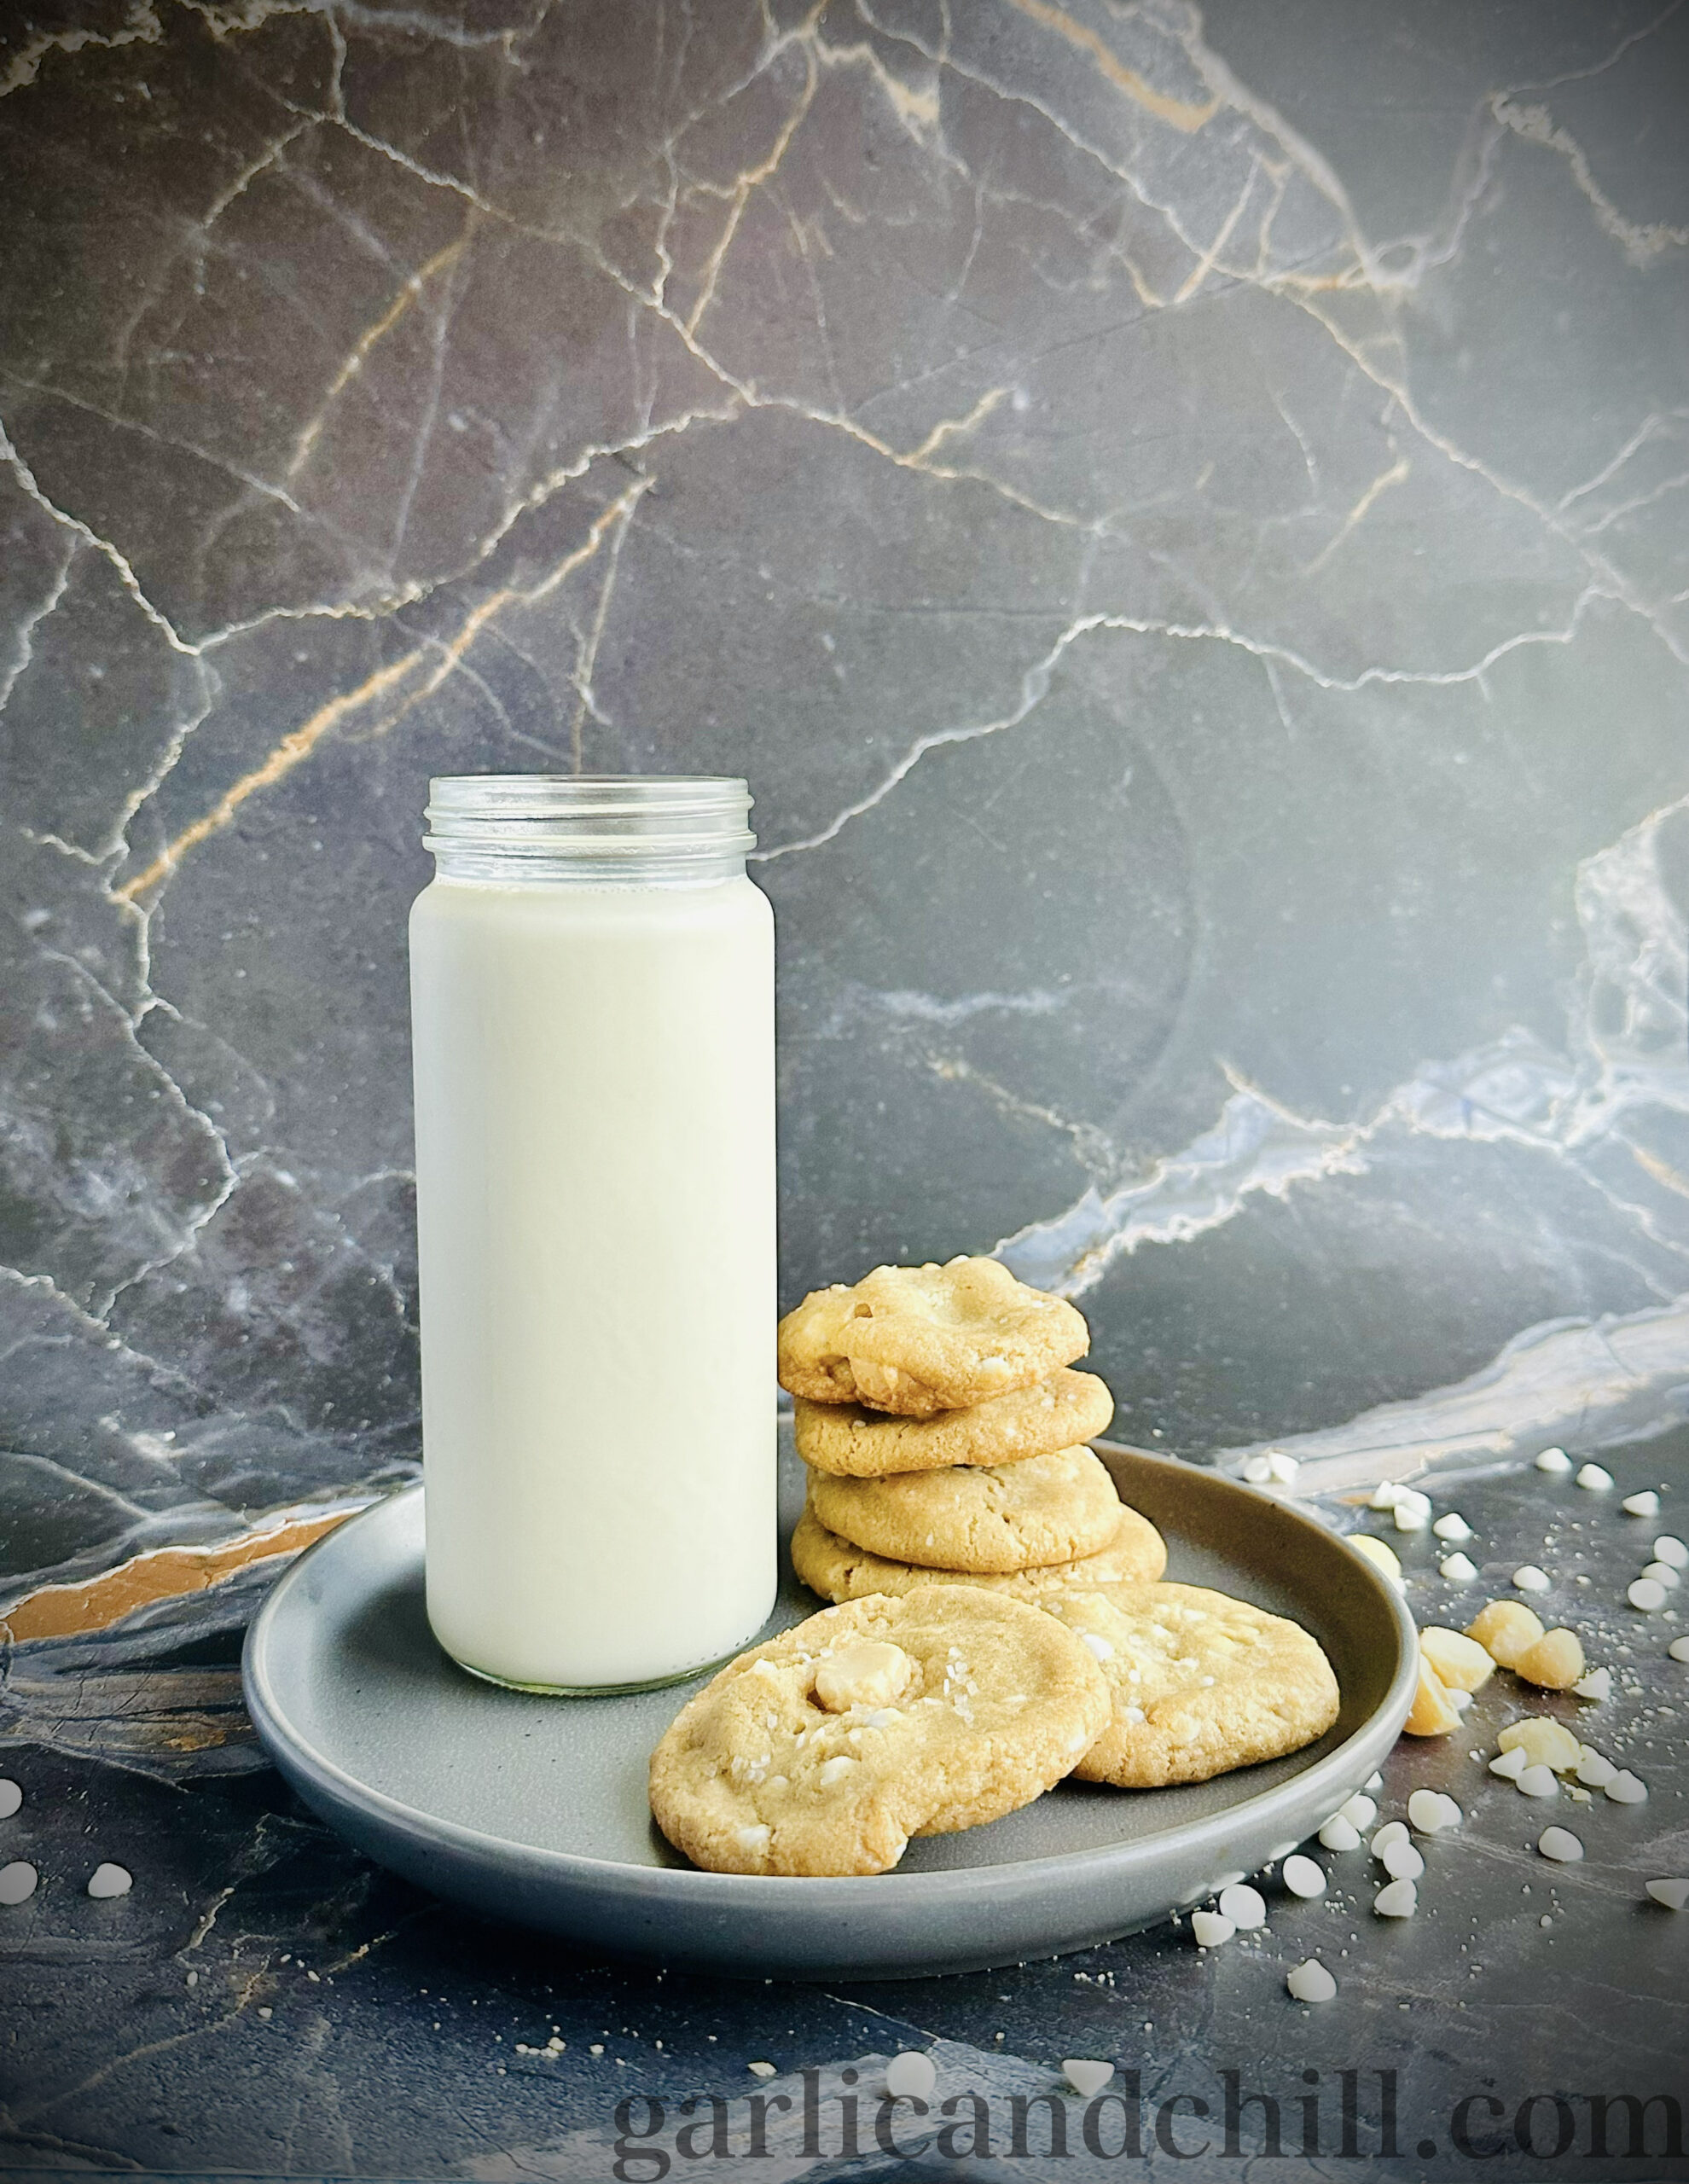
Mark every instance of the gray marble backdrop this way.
pixel 1180 514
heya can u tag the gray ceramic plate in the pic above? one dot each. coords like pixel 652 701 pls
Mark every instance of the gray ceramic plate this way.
pixel 534 1808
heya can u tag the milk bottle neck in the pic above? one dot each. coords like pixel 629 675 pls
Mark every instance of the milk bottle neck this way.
pixel 587 830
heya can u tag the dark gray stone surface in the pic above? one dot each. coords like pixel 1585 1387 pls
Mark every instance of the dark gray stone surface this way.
pixel 1181 517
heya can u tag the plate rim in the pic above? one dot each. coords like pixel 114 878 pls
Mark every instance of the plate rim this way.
pixel 279 1736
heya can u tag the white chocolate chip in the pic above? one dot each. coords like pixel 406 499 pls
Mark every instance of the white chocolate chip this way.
pixel 1668 1548
pixel 751 1839
pixel 1662 1574
pixel 1340 1834
pixel 1458 1569
pixel 17 1881
pixel 1595 1686
pixel 1595 1478
pixel 1245 1907
pixel 1402 1862
pixel 1373 1783
pixel 1453 1528
pixel 1431 1811
pixel 1393 1831
pixel 1086 2078
pixel 1538 1782
pixel 1257 1470
pixel 1594 1771
pixel 757 2070
pixel 1099 1645
pixel 1412 1512
pixel 836 1768
pixel 1555 1461
pixel 1679 1649
pixel 1645 1504
pixel 1672 1894
pixel 1511 1765
pixel 1304 1876
pixel 873 1673
pixel 1360 1810
pixel 1529 1579
pixel 1396 1899
pixel 1384 1496
pixel 1625 1789
pixel 1282 1468
pixel 1560 1844
pixel 1210 1929
pixel 107 1880
pixel 1310 1982
pixel 910 2075
pixel 11 1797
pixel 1646 1593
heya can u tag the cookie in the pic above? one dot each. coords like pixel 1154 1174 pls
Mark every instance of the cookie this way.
pixel 980 1519
pixel 1201 1683
pixel 1058 1412
pixel 918 1339
pixel 837 1570
pixel 826 1749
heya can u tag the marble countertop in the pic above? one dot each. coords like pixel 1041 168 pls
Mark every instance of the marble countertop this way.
pixel 266 2002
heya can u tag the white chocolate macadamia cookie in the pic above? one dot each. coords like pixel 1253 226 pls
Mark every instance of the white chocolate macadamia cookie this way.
pixel 977 1518
pixel 832 1566
pixel 1200 1683
pixel 918 1339
pixel 826 1749
pixel 1061 1411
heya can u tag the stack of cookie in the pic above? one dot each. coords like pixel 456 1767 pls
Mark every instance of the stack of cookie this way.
pixel 944 1435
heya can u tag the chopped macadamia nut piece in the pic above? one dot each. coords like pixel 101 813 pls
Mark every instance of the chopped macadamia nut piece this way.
pixel 1555 1661
pixel 1430 1715
pixel 1505 1628
pixel 1461 1662
pixel 872 1674
pixel 1544 1741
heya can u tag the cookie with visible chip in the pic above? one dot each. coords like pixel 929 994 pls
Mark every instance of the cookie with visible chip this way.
pixel 836 1570
pixel 1201 1683
pixel 1060 1411
pixel 918 1339
pixel 824 1750
pixel 978 1517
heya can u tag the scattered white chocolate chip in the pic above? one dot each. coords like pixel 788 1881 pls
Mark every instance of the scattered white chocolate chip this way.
pixel 910 2075
pixel 1453 1528
pixel 1646 1593
pixel 1668 1548
pixel 1554 1663
pixel 1393 1831
pixel 1645 1504
pixel 1245 1907
pixel 1538 1782
pixel 1461 1662
pixel 1210 1929
pixel 1553 1460
pixel 1380 1554
pixel 1374 1782
pixel 836 1768
pixel 870 1674
pixel 1304 1876
pixel 1679 1649
pixel 1281 1468
pixel 1360 1810
pixel 1310 1982
pixel 1458 1569
pixel 1595 1686
pixel 1396 1899
pixel 1595 1478
pixel 1662 1574
pixel 1560 1844
pixel 108 1879
pixel 757 2070
pixel 1099 1645
pixel 1672 1894
pixel 1459 1700
pixel 1402 1862
pixel 1087 2078
pixel 1340 1834
pixel 11 1797
pixel 17 1881
pixel 1544 1741
pixel 1257 1470
pixel 1594 1771
pixel 1385 1494
pixel 1529 1579
pixel 748 1839
pixel 1511 1765
pixel 1412 1512
pixel 1625 1789
pixel 1504 1629
pixel 1431 1811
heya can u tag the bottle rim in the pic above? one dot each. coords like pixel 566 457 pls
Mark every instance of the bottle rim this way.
pixel 617 827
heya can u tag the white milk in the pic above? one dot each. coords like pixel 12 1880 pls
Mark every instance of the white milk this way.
pixel 595 1193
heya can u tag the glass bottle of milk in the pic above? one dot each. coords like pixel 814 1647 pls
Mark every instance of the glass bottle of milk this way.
pixel 592 999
